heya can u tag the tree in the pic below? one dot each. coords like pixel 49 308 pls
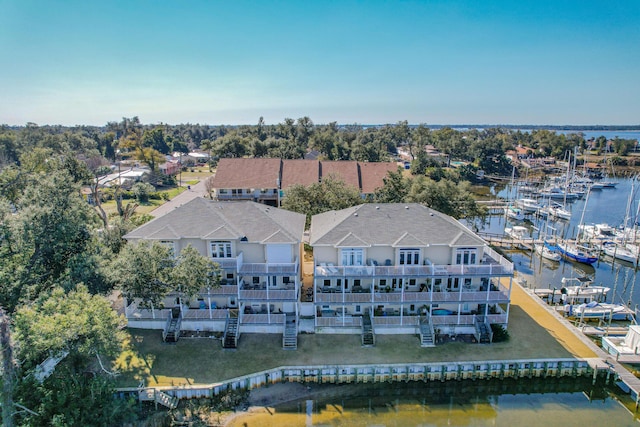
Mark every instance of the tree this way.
pixel 143 271
pixel 87 332
pixel 332 193
pixel 77 322
pixel 395 188
pixel 142 190
pixel 49 233
pixel 194 272
pixel 445 196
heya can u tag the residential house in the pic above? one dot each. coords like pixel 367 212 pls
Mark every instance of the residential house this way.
pixel 258 248
pixel 405 268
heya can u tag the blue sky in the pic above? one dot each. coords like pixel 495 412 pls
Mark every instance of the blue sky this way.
pixel 229 62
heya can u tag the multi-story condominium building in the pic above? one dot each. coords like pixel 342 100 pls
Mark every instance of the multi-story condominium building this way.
pixel 378 269
pixel 258 248
pixel 405 268
pixel 267 180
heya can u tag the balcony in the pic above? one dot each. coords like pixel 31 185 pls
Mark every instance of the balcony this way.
pixel 227 290
pixel 342 321
pixel 270 269
pixel 333 295
pixel 262 319
pixel 487 268
pixel 204 314
pixel 261 291
pixel 231 263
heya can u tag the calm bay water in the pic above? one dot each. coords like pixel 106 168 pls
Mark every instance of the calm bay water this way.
pixel 602 206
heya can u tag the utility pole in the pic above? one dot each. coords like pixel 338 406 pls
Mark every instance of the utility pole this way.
pixel 7 371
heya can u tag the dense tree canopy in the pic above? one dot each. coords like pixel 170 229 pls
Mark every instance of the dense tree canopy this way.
pixel 324 196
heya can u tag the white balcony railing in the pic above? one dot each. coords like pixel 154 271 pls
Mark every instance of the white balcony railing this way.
pixel 412 296
pixel 266 268
pixel 346 321
pixel 205 314
pixel 271 294
pixel 484 270
pixel 396 320
pixel 262 319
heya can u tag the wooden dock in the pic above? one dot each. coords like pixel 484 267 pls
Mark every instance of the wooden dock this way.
pixel 504 241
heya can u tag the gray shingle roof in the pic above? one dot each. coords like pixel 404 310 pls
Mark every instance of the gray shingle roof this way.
pixel 206 219
pixel 389 224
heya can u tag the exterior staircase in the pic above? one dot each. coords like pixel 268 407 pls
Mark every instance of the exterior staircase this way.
pixel 290 336
pixel 484 334
pixel 427 334
pixel 158 397
pixel 368 337
pixel 171 331
pixel 167 400
pixel 231 331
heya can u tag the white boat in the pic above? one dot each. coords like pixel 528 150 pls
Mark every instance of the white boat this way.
pixel 515 213
pixel 597 231
pixel 548 252
pixel 555 211
pixel 625 349
pixel 582 292
pixel 617 251
pixel 528 205
pixel 517 232
pixel 597 310
pixel 558 193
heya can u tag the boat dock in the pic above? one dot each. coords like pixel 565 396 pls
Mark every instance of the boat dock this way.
pixel 602 362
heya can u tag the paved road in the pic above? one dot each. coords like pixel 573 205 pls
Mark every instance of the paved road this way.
pixel 197 190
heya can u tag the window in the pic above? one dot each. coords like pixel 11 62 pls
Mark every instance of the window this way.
pixel 409 256
pixel 453 284
pixel 169 244
pixel 356 282
pixel 412 282
pixel 327 282
pixel 383 282
pixel 285 279
pixel 352 256
pixel 256 279
pixel 466 256
pixel 229 275
pixel 220 249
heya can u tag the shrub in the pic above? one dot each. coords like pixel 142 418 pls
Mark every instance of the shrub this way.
pixel 500 334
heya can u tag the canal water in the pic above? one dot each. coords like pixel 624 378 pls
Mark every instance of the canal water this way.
pixel 572 402
pixel 527 402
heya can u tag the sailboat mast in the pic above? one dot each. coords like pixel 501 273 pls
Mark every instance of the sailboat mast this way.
pixel 580 227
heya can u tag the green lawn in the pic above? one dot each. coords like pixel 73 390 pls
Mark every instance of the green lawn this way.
pixel 203 360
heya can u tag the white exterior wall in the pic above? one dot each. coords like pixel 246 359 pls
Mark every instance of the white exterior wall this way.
pixel 439 255
pixel 251 252
pixel 325 254
pixel 381 253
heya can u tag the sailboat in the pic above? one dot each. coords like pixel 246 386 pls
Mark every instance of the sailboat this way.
pixel 512 211
pixel 576 251
pixel 548 251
